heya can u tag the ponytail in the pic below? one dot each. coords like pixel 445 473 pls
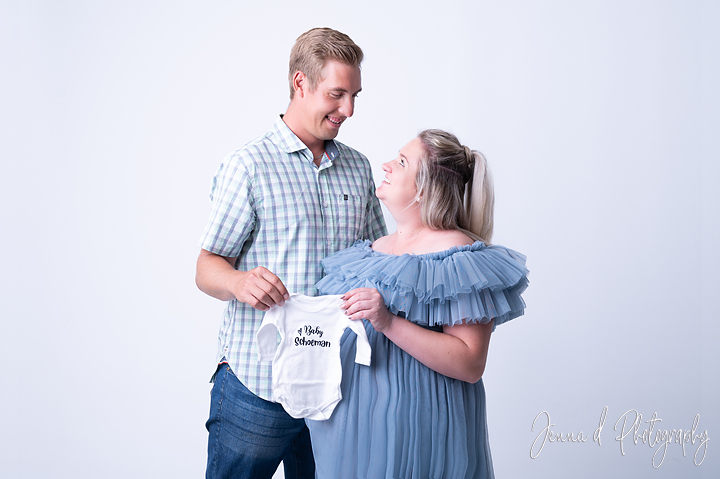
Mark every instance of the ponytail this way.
pixel 480 199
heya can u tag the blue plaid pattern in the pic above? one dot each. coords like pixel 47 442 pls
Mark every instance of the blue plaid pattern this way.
pixel 272 207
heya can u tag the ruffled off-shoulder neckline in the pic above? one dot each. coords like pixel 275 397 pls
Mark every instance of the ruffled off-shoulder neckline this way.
pixel 471 283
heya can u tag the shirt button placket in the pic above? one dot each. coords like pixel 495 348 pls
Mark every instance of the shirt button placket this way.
pixel 327 207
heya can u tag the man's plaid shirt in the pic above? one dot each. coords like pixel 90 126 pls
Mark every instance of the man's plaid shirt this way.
pixel 272 207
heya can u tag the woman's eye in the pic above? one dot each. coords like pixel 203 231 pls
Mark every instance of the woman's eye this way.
pixel 402 162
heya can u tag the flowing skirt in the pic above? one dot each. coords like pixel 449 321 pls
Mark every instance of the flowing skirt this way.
pixel 400 419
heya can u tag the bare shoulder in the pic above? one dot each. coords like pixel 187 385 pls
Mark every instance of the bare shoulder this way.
pixel 441 240
pixel 382 245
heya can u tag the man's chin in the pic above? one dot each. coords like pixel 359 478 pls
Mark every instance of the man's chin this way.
pixel 330 134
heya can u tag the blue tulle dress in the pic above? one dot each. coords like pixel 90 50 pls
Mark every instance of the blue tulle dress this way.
pixel 398 418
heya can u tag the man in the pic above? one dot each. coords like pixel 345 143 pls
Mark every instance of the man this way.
pixel 279 205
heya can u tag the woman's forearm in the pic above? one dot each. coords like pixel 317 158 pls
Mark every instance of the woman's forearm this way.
pixel 458 352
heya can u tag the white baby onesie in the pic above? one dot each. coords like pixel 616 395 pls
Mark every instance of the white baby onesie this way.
pixel 306 367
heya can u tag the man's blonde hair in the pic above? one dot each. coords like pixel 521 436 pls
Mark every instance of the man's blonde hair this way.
pixel 314 48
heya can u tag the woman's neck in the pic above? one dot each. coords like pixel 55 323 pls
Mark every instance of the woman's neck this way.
pixel 407 237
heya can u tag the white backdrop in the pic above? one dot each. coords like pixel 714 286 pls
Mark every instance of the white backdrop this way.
pixel 600 122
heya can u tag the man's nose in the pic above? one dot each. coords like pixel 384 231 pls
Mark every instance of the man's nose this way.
pixel 348 107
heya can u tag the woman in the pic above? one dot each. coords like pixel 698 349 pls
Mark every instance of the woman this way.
pixel 431 294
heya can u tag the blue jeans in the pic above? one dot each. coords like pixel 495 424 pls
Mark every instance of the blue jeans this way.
pixel 249 436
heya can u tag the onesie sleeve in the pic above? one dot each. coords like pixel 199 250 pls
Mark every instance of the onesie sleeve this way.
pixel 266 337
pixel 363 351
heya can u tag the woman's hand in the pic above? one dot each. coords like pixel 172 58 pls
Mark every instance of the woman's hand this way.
pixel 367 303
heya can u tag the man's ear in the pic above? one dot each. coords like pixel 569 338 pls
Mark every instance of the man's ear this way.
pixel 299 83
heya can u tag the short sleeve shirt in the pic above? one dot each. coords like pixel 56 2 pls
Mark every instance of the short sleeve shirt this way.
pixel 273 207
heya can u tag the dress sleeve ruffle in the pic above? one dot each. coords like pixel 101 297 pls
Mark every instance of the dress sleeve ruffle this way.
pixel 474 283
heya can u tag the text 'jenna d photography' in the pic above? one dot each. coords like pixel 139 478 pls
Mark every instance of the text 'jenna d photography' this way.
pixel 632 431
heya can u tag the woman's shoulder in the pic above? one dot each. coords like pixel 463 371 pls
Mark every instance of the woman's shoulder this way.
pixel 382 244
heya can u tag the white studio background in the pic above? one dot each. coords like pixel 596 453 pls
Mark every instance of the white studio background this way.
pixel 599 120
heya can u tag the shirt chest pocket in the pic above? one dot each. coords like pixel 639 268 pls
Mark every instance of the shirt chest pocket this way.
pixel 351 212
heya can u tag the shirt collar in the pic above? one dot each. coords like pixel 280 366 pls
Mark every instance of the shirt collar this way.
pixel 288 141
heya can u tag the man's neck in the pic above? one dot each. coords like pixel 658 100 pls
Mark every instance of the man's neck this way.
pixel 315 145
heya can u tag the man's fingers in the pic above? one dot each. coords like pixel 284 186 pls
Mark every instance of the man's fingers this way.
pixel 277 285
pixel 262 289
pixel 262 300
pixel 268 294
pixel 273 290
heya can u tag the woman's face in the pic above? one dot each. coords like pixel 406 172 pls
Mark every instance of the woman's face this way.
pixel 398 189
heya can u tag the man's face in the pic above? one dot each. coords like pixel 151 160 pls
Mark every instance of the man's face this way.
pixel 332 102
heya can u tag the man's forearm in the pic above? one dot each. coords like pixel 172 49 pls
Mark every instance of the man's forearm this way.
pixel 215 275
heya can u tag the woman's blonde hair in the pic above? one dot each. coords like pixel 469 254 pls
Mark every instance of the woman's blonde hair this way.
pixel 454 186
pixel 315 47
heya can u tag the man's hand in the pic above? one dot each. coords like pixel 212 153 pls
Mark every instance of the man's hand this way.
pixel 260 288
pixel 216 275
